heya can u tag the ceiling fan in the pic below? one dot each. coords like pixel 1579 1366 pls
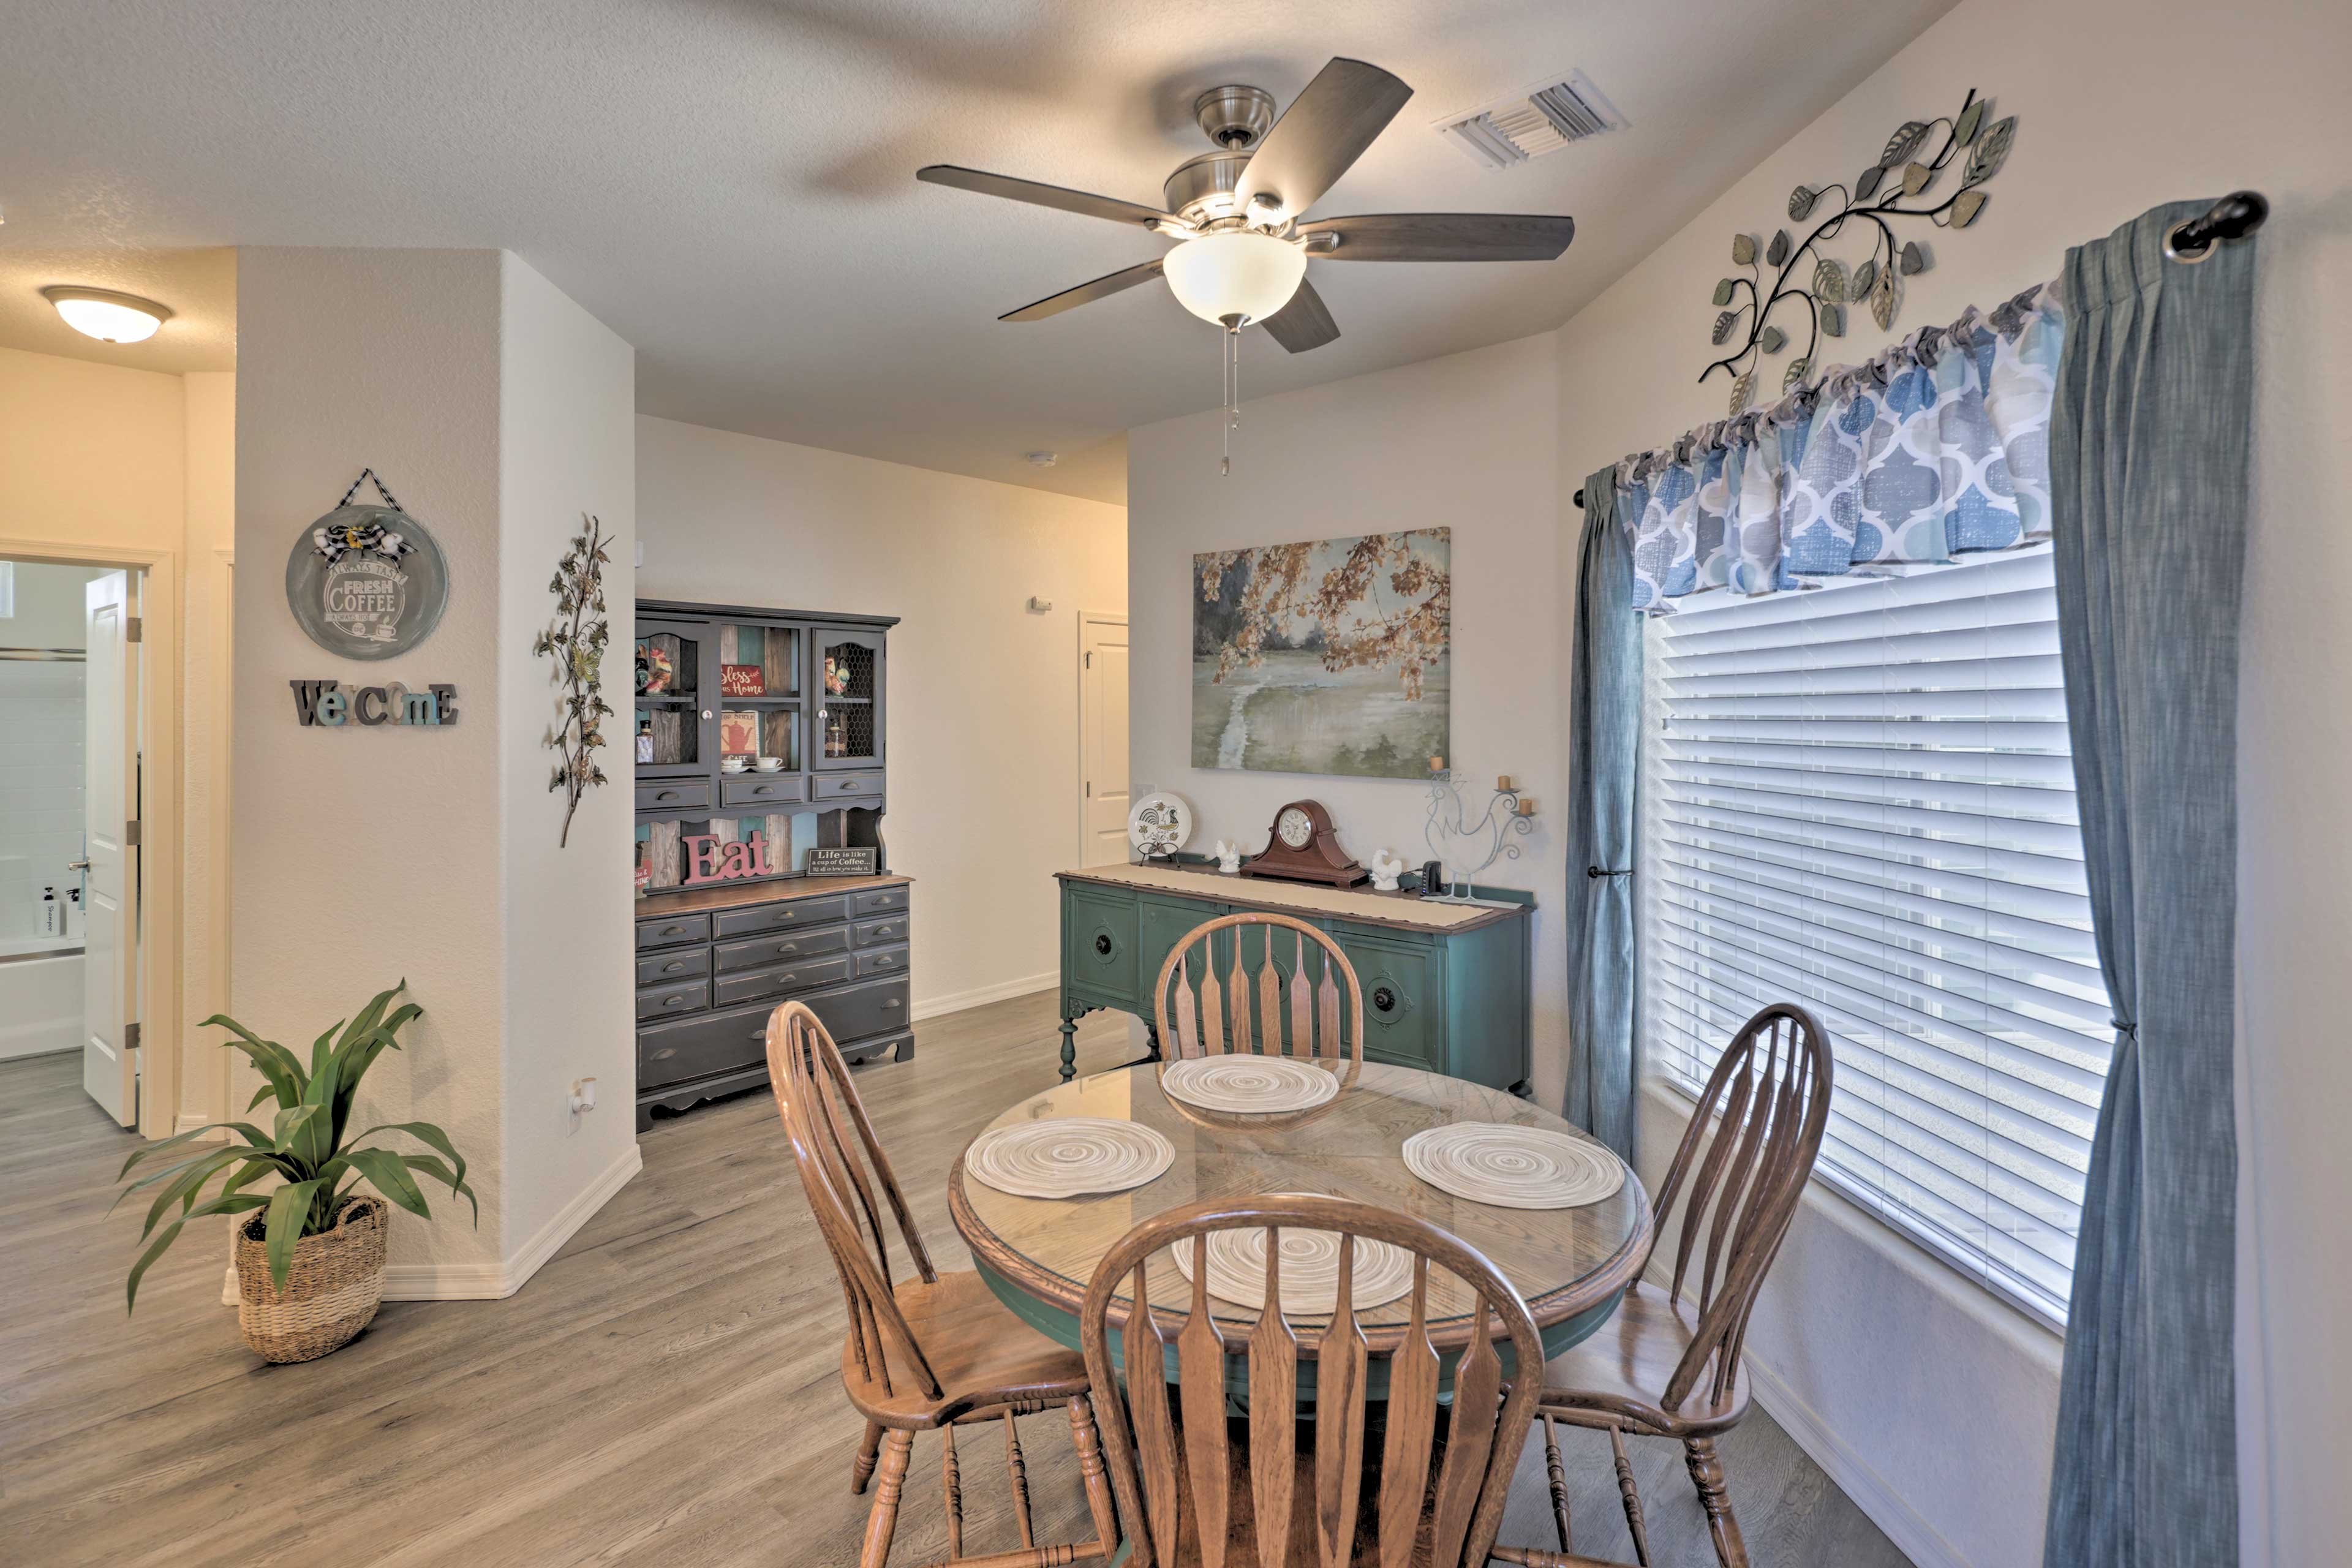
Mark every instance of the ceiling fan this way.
pixel 1236 211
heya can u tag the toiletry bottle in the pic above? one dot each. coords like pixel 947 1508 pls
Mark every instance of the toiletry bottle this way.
pixel 69 918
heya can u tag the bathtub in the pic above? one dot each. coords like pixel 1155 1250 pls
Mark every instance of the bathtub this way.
pixel 40 995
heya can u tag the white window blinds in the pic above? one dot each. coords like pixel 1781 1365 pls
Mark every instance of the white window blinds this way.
pixel 1860 798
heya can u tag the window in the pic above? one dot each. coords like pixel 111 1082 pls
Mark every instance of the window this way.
pixel 1859 797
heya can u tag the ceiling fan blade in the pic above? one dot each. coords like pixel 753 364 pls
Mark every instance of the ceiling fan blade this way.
pixel 1440 236
pixel 1305 324
pixel 1087 293
pixel 1083 203
pixel 1326 127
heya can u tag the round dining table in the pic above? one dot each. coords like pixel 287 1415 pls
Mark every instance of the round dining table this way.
pixel 1038 1254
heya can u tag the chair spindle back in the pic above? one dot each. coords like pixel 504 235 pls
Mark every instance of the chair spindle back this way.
pixel 1768 1105
pixel 1215 1016
pixel 1489 1421
pixel 840 1162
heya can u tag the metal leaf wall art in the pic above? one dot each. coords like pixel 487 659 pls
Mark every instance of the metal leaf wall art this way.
pixel 1895 189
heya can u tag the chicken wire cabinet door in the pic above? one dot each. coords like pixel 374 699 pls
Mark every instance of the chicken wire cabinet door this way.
pixel 848 685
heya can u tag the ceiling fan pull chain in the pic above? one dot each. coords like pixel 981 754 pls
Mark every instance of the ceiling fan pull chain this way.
pixel 1232 369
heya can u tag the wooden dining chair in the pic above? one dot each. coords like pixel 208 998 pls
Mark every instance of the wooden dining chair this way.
pixel 1308 1490
pixel 1203 1000
pixel 1667 1366
pixel 930 1352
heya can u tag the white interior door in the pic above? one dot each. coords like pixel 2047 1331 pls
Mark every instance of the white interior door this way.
pixel 1102 736
pixel 110 862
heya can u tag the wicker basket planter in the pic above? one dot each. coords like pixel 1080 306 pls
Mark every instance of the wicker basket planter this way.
pixel 332 1291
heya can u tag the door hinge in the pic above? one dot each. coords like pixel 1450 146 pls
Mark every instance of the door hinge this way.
pixel 1090 658
pixel 1090 789
pixel 131 832
pixel 131 1036
pixel 131 626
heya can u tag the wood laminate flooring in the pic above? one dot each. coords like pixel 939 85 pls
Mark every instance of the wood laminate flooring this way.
pixel 666 1390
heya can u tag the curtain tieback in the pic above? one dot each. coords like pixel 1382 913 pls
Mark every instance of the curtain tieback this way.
pixel 2124 1027
pixel 1597 871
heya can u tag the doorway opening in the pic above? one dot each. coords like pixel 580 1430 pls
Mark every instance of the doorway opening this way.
pixel 71 712
pixel 1103 789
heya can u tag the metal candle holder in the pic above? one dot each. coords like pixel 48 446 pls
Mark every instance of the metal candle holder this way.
pixel 1506 813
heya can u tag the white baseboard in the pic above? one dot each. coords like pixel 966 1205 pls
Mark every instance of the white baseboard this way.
pixel 495 1281
pixel 932 1006
pixel 189 1121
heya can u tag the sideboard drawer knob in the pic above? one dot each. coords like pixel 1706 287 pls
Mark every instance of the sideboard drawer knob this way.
pixel 665 1053
pixel 676 1001
pixel 673 966
pixel 891 1004
pixel 1102 945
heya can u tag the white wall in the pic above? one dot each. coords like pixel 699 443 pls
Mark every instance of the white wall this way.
pixel 1950 1411
pixel 1463 442
pixel 983 716
pixel 496 412
pixel 567 400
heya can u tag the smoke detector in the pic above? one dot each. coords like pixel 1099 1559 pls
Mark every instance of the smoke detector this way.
pixel 1533 121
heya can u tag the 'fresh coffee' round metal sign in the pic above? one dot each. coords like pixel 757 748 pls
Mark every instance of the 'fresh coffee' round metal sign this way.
pixel 367 582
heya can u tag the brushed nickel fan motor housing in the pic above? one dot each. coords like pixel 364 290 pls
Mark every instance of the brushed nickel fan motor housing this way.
pixel 1200 191
pixel 1235 118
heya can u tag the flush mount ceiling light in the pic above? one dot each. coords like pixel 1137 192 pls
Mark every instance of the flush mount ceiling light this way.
pixel 1243 244
pixel 109 317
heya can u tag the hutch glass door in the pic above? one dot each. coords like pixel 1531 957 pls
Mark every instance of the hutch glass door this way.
pixel 676 732
pixel 849 712
pixel 760 697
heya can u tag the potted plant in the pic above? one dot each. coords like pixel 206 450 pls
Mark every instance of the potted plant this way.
pixel 310 1252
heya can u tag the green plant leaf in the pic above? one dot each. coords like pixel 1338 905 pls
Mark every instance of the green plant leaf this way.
pixel 426 1133
pixel 184 1190
pixel 389 1175
pixel 290 1210
pixel 149 1151
pixel 278 1065
pixel 138 1269
pixel 299 1132
pixel 432 1166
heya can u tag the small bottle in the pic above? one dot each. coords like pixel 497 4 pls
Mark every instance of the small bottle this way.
pixel 52 914
pixel 69 919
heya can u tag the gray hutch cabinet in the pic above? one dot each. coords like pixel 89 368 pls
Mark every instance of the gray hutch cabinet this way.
pixel 729 923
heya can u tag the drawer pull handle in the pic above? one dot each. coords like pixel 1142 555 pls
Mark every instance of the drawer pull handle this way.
pixel 784 947
pixel 1102 945
pixel 672 931
pixel 758 1034
pixel 786 979
pixel 881 930
pixel 674 1001
pixel 665 1053
pixel 883 961
pixel 673 966
pixel 666 795
pixel 891 1004
pixel 1383 999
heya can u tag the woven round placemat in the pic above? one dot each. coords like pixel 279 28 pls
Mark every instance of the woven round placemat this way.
pixel 1249 1084
pixel 332 1291
pixel 1514 1167
pixel 1068 1157
pixel 1310 1268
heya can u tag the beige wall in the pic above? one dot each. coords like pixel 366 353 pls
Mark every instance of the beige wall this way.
pixel 983 694
pixel 1940 1404
pixel 1463 442
pixel 497 412
pixel 100 457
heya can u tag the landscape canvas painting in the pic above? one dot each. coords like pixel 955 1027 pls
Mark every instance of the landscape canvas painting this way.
pixel 1324 658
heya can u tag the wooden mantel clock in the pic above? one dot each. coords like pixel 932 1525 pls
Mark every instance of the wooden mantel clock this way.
pixel 1303 847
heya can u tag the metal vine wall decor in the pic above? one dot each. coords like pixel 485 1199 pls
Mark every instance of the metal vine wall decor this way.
pixel 1873 204
pixel 576 642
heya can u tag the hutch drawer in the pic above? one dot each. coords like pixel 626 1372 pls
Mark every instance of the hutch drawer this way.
pixel 674 932
pixel 666 968
pixel 881 960
pixel 697 1047
pixel 868 1007
pixel 682 795
pixel 782 916
pixel 780 983
pixel 664 1001
pixel 875 900
pixel 832 787
pixel 881 932
pixel 760 789
pixel 755 952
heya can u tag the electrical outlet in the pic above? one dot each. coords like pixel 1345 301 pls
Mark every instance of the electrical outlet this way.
pixel 583 1096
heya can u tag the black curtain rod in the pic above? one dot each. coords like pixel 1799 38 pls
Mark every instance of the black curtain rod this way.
pixel 2234 216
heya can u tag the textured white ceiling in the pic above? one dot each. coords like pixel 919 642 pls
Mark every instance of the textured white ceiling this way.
pixel 729 183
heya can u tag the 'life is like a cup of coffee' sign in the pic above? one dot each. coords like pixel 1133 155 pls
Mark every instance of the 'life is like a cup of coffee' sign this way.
pixel 709 858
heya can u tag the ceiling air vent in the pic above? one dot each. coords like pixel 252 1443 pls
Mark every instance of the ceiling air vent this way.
pixel 1541 118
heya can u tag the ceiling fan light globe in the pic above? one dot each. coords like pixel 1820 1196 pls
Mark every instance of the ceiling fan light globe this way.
pixel 1235 272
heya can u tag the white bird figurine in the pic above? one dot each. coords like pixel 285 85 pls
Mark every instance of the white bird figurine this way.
pixel 1386 870
pixel 1229 857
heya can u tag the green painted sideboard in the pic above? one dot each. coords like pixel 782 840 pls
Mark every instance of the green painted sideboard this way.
pixel 1446 986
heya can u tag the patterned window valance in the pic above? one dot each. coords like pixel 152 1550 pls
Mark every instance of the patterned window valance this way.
pixel 1938 447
